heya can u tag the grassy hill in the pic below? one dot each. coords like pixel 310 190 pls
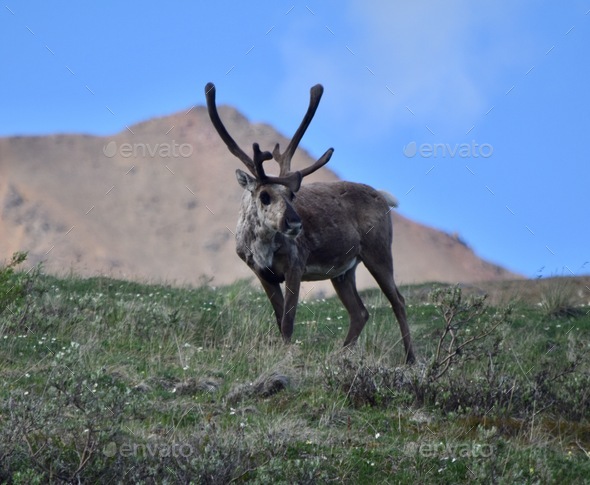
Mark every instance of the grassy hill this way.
pixel 111 381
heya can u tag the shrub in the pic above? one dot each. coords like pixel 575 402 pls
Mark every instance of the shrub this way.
pixel 12 284
pixel 558 298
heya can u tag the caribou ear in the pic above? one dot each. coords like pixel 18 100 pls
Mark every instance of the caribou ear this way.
pixel 246 181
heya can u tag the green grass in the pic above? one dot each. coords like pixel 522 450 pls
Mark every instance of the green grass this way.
pixel 114 382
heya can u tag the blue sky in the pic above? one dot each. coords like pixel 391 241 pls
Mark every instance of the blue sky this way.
pixel 476 115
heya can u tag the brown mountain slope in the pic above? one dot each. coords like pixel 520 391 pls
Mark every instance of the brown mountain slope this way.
pixel 159 202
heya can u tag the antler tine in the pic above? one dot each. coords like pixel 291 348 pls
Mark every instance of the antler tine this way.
pixel 276 153
pixel 225 136
pixel 259 158
pixel 291 180
pixel 325 158
pixel 284 159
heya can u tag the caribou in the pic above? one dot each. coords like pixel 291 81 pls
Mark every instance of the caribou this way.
pixel 288 232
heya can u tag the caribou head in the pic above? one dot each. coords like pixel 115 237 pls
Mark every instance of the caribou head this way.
pixel 272 196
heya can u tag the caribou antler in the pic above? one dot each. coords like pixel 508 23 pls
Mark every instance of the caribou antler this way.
pixel 291 180
pixel 225 136
pixel 284 159
pixel 286 177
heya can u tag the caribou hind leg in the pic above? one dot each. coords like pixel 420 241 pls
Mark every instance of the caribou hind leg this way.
pixel 380 265
pixel 345 286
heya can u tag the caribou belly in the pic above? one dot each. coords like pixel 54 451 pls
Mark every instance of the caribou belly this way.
pixel 315 272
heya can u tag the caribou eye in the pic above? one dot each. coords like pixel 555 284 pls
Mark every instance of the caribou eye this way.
pixel 264 197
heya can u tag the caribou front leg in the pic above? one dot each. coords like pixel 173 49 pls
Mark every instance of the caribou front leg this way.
pixel 292 285
pixel 275 295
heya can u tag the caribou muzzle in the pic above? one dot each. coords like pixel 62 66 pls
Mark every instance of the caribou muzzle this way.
pixel 291 222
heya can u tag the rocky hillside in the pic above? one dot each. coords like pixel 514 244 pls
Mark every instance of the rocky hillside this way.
pixel 159 202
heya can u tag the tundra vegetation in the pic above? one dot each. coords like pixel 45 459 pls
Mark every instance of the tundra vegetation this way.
pixel 108 381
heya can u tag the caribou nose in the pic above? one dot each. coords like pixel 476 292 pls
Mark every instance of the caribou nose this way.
pixel 291 221
pixel 293 227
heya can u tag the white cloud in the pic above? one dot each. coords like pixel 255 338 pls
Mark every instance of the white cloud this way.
pixel 445 61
